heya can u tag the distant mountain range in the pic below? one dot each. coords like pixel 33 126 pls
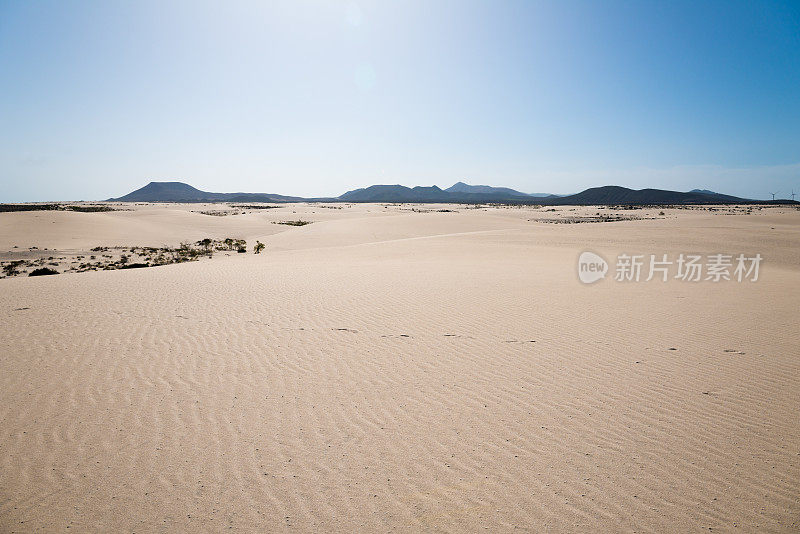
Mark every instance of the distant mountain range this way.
pixel 457 193
pixel 464 193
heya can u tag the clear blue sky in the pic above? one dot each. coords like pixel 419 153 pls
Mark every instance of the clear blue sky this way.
pixel 315 97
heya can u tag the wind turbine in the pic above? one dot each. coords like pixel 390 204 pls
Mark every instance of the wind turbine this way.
pixel 792 195
pixel 773 194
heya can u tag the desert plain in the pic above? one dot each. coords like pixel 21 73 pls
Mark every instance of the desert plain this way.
pixel 399 368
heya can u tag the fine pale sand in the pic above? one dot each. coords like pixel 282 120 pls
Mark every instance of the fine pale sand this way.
pixel 401 368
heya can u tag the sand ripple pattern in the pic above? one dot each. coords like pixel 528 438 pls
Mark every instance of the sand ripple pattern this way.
pixel 451 384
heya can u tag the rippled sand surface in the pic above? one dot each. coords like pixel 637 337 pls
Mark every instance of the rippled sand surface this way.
pixel 389 369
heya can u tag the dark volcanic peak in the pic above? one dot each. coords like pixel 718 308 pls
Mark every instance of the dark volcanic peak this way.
pixel 461 187
pixel 165 192
pixel 397 193
pixel 181 192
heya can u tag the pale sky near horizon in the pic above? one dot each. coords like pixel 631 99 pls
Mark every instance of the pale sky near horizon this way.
pixel 316 97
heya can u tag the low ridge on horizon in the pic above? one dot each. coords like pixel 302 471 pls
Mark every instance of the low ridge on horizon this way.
pixel 462 187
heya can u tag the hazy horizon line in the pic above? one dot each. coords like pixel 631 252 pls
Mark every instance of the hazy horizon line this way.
pixel 676 178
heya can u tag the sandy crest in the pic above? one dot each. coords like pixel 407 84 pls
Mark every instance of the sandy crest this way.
pixel 404 371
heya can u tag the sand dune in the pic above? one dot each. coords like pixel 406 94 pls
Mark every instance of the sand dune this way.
pixel 386 369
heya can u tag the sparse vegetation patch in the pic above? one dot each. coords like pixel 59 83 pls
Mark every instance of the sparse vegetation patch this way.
pixel 292 223
pixel 84 208
pixel 127 257
pixel 42 271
